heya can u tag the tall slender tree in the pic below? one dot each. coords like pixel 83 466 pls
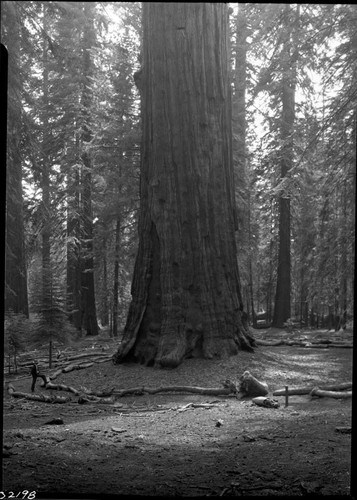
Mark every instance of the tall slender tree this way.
pixel 282 310
pixel 88 305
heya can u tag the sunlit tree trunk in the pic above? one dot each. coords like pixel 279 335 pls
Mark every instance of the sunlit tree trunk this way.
pixel 186 298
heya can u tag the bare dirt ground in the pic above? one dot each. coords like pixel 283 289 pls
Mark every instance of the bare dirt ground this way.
pixel 153 445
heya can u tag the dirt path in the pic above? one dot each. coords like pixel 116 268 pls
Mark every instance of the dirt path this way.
pixel 151 445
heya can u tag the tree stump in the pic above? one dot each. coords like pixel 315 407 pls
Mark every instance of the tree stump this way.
pixel 250 386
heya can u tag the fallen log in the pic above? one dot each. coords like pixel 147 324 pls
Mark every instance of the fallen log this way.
pixel 85 355
pixel 100 394
pixel 194 405
pixel 270 342
pixel 72 367
pixel 62 387
pixel 345 345
pixel 94 399
pixel 323 344
pixel 56 374
pixel 316 391
pixel 102 360
pixel 316 346
pixel 36 397
pixel 307 390
pixel 250 386
pixel 211 391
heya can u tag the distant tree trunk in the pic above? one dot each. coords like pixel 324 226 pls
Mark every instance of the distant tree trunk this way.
pixel 239 120
pixel 104 316
pixel 240 152
pixel 271 273
pixel 343 266
pixel 89 315
pixel 116 277
pixel 250 264
pixel 73 247
pixel 186 298
pixel 46 302
pixel 282 310
pixel 16 296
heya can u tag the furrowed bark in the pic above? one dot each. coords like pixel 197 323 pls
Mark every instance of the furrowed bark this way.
pixel 186 291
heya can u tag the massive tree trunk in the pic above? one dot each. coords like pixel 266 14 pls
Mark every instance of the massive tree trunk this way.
pixel 16 297
pixel 186 298
pixel 282 310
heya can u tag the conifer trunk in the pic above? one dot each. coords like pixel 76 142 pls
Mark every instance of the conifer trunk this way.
pixel 16 296
pixel 73 248
pixel 186 298
pixel 46 303
pixel 116 277
pixel 88 305
pixel 282 310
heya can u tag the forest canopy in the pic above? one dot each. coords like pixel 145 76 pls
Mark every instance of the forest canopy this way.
pixel 74 152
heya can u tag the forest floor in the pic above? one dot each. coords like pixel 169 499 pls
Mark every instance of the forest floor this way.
pixel 157 445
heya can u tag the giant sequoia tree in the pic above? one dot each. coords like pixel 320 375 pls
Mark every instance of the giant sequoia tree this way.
pixel 186 298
